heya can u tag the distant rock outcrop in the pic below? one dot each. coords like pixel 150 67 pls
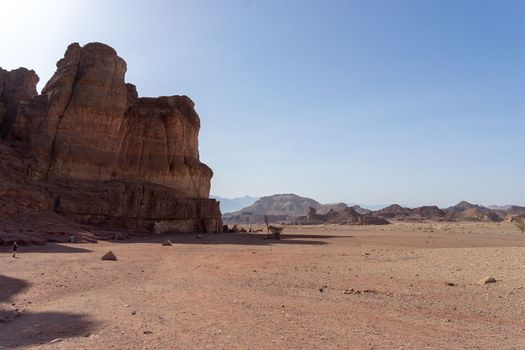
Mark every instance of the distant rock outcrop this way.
pixel 349 216
pixel 393 211
pixel 465 211
pixel 282 204
pixel 277 208
pixel 344 216
pixel 428 212
pixel 325 208
pixel 361 210
pixel 284 208
pixel 88 148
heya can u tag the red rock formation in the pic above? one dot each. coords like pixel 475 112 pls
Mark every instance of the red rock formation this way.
pixel 105 155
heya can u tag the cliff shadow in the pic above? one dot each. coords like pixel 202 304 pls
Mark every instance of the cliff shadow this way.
pixel 233 238
pixel 23 328
pixel 301 235
pixel 52 248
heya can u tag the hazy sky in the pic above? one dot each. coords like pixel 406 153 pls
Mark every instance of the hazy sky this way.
pixel 414 102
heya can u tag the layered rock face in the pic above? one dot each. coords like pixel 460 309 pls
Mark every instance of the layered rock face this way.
pixel 105 155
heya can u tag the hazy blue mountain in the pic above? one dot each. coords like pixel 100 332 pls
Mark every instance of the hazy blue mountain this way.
pixel 233 204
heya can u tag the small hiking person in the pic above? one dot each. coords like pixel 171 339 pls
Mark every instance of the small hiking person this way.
pixel 15 249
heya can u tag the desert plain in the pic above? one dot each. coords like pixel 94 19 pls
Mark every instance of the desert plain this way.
pixel 399 286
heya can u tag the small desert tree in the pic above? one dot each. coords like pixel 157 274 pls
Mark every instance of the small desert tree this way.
pixel 520 223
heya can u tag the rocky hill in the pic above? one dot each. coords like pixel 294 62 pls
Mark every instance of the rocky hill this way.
pixel 508 210
pixel 465 211
pixel 89 149
pixel 393 211
pixel 281 204
pixel 428 212
pixel 464 205
pixel 277 208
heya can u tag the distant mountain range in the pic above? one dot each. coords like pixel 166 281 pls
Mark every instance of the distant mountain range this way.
pixel 229 205
pixel 286 207
pixel 292 208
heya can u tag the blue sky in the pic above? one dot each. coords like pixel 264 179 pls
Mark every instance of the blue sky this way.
pixel 373 101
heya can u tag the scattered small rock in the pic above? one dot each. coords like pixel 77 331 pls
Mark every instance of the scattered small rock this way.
pixel 450 284
pixel 365 291
pixel 110 256
pixel 488 280
pixel 167 243
pixel 147 332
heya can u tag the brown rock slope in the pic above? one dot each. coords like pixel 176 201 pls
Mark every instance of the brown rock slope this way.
pixel 88 148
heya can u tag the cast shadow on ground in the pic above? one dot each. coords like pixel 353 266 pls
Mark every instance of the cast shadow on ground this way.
pixel 236 238
pixel 21 328
pixel 10 286
pixel 41 328
pixel 52 248
pixel 300 235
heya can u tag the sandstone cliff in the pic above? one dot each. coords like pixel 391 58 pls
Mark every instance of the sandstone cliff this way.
pixel 99 153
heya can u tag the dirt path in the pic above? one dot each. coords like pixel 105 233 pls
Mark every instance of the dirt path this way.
pixel 320 287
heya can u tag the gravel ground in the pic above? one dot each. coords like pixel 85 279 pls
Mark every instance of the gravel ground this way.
pixel 401 286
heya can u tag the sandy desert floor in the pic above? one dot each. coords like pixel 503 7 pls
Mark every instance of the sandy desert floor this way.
pixel 403 286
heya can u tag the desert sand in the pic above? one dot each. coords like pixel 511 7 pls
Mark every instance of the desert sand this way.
pixel 401 286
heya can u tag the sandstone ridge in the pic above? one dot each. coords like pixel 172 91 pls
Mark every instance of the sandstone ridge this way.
pixel 90 149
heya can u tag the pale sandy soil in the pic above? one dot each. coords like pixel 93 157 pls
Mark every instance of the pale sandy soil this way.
pixel 238 291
